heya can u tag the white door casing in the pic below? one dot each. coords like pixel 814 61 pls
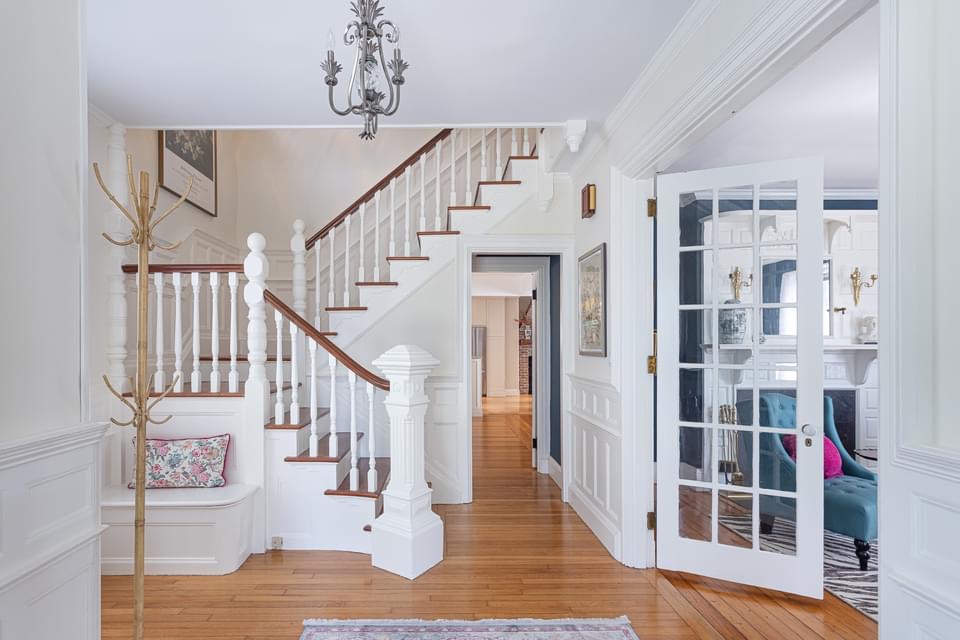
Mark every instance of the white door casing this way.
pixel 919 471
pixel 742 217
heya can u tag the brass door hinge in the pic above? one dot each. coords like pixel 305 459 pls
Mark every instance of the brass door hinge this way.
pixel 652 360
pixel 651 207
pixel 651 520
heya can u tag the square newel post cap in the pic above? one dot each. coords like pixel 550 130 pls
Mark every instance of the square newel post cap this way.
pixel 406 359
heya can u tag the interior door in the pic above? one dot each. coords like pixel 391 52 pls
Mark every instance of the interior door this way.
pixel 739 318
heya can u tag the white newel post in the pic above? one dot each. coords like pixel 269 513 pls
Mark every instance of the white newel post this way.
pixel 256 404
pixel 117 287
pixel 408 537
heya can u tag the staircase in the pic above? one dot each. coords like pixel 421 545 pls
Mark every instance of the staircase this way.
pixel 333 452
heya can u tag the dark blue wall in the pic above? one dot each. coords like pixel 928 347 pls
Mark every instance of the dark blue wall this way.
pixel 556 392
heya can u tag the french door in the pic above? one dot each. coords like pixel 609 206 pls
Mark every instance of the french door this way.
pixel 740 374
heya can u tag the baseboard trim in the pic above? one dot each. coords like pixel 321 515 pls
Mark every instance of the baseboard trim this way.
pixel 601 526
pixel 556 472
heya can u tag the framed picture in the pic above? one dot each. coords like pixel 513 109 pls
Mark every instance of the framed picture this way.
pixel 592 288
pixel 185 153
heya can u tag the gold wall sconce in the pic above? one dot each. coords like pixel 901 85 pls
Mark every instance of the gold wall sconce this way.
pixel 588 201
pixel 737 282
pixel 859 283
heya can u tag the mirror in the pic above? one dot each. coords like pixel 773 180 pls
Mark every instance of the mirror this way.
pixel 779 282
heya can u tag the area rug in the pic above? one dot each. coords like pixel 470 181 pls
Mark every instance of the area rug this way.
pixel 521 629
pixel 841 570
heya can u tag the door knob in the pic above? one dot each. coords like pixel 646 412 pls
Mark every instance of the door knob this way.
pixel 808 430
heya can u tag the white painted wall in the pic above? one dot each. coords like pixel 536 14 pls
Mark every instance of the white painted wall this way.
pixel 42 159
pixel 499 315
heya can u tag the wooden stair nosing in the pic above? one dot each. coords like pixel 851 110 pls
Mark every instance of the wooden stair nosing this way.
pixel 343 448
pixel 383 474
pixel 303 420
pixel 437 233
pixel 377 284
pixel 335 309
pixel 469 207
pixel 404 258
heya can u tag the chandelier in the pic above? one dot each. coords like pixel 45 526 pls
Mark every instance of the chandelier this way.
pixel 365 95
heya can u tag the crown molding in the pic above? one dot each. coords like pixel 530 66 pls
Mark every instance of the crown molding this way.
pixel 779 36
pixel 100 116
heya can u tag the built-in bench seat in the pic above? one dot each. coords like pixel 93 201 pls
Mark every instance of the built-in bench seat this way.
pixel 188 531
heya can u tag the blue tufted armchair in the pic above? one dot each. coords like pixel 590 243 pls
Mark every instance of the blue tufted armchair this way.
pixel 849 501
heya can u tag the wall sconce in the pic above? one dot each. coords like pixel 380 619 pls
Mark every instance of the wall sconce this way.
pixel 588 201
pixel 737 282
pixel 856 278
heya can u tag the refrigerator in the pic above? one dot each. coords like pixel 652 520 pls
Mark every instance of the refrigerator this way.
pixel 479 351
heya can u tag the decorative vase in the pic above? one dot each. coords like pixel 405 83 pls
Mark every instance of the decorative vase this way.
pixel 733 324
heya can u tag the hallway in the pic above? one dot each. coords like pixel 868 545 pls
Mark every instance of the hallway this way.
pixel 516 551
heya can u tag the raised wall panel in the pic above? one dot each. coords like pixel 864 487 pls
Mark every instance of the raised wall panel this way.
pixel 441 434
pixel 595 490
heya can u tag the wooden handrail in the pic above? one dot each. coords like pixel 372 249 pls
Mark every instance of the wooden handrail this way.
pixel 412 159
pixel 325 342
pixel 187 268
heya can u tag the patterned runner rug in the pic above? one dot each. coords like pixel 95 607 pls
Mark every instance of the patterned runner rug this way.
pixel 570 629
pixel 841 570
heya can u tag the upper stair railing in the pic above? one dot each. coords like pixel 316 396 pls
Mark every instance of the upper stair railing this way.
pixel 357 246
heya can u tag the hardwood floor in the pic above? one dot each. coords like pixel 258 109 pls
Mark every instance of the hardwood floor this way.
pixel 516 551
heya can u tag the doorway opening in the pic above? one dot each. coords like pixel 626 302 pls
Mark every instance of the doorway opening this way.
pixel 515 340
pixel 732 337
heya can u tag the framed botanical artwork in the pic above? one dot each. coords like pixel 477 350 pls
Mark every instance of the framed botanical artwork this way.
pixel 592 290
pixel 185 153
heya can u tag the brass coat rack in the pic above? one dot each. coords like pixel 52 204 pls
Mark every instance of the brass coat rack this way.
pixel 141 234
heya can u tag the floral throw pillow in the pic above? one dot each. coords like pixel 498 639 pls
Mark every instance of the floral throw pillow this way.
pixel 190 462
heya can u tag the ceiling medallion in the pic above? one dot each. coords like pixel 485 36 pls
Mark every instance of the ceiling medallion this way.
pixel 370 68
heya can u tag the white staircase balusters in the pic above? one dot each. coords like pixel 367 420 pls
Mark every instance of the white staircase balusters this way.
pixel 195 377
pixel 526 141
pixel 466 187
pixel 316 282
pixel 215 331
pixel 354 460
pixel 453 168
pixel 314 437
pixel 333 451
pixel 483 156
pixel 346 261
pixel 332 275
pixel 233 378
pixel 406 212
pixel 392 247
pixel 376 237
pixel 437 222
pixel 294 375
pixel 498 173
pixel 363 251
pixel 158 377
pixel 423 194
pixel 372 441
pixel 278 370
pixel 513 142
pixel 177 332
pixel 298 247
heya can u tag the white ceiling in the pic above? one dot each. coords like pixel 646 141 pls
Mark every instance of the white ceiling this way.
pixel 501 285
pixel 827 106
pixel 246 63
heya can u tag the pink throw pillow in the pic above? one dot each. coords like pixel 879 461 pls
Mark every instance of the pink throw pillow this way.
pixel 832 462
pixel 186 462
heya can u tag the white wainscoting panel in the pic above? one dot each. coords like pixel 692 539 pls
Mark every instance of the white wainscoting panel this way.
pixel 50 535
pixel 595 490
pixel 441 441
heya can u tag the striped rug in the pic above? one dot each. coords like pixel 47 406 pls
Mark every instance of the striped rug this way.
pixel 841 569
pixel 521 629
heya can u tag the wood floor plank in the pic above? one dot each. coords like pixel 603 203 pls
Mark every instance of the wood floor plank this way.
pixel 516 551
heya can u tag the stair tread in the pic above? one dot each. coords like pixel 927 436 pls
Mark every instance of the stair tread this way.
pixel 524 157
pixel 205 391
pixel 346 308
pixel 490 182
pixel 363 464
pixel 392 258
pixel 301 421
pixel 469 207
pixel 438 233
pixel 343 448
pixel 372 283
